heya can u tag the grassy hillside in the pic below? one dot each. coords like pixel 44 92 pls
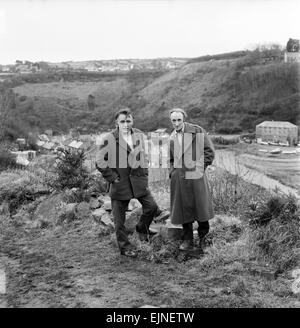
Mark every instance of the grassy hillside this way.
pixel 223 95
pixel 227 95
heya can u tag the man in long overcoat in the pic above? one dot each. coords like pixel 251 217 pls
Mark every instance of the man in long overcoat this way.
pixel 191 152
pixel 123 163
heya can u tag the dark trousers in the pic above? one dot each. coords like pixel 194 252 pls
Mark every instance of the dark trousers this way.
pixel 203 228
pixel 119 207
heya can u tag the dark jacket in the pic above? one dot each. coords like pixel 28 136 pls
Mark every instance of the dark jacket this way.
pixel 190 198
pixel 113 160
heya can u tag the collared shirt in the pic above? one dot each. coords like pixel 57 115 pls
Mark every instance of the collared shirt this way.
pixel 179 135
pixel 128 138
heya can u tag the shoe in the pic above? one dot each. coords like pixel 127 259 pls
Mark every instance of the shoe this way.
pixel 129 253
pixel 163 215
pixel 204 242
pixel 186 245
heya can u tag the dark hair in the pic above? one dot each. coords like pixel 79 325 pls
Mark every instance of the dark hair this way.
pixel 125 111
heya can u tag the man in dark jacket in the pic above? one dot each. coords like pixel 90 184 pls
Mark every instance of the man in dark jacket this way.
pixel 191 151
pixel 123 163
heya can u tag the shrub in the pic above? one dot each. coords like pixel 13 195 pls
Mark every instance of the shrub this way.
pixel 229 129
pixel 70 172
pixel 7 160
pixel 274 230
pixel 230 193
pixel 222 141
pixel 18 187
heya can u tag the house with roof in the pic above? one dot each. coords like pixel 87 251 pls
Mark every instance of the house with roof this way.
pixel 277 131
pixel 75 144
pixel 48 145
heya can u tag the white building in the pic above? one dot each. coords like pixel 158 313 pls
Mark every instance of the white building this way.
pixel 277 131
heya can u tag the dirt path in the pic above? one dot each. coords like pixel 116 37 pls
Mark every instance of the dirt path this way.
pixel 73 266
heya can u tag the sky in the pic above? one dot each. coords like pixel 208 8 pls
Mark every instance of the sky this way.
pixel 55 31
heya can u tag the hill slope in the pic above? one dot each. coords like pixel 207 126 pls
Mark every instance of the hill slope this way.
pixel 225 96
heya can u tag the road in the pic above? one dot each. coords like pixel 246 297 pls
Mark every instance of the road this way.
pixel 253 169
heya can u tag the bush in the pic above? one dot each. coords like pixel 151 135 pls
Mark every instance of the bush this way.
pixel 7 160
pixel 230 193
pixel 223 141
pixel 229 129
pixel 70 172
pixel 18 187
pixel 274 231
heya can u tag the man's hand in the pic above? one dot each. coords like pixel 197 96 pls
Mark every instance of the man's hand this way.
pixel 116 180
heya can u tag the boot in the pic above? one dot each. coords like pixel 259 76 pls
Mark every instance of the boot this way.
pixel 187 245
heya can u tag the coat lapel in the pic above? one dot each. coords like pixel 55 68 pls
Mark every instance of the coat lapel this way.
pixel 120 141
pixel 187 139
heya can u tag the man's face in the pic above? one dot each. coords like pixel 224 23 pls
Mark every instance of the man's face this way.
pixel 124 123
pixel 177 120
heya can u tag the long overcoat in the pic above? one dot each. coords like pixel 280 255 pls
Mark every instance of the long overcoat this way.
pixel 115 159
pixel 190 194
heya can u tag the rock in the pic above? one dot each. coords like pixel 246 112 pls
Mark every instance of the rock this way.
pixel 83 211
pixel 133 204
pixel 107 205
pixel 94 203
pixel 106 219
pixel 100 200
pixel 132 219
pixel 174 231
pixel 49 209
pixel 98 213
pixel 163 216
pixel 168 231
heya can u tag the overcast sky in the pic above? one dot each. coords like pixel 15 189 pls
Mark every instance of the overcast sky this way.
pixel 52 30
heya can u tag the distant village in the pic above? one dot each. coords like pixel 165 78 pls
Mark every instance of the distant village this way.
pixel 273 133
pixel 27 67
pixel 48 143
pixel 291 54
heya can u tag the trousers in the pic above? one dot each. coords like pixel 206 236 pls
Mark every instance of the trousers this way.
pixel 203 229
pixel 149 208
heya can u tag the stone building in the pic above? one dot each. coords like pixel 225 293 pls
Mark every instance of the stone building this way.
pixel 277 131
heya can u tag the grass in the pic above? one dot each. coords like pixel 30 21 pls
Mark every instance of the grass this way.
pixel 222 278
pixel 240 231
